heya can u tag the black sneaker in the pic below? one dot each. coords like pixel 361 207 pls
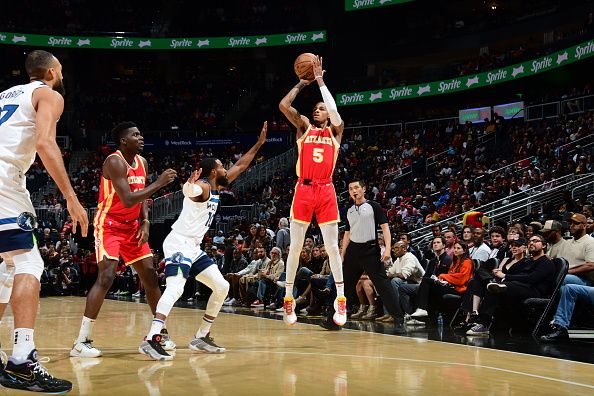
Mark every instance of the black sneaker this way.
pixel 154 349
pixel 32 376
pixel 557 333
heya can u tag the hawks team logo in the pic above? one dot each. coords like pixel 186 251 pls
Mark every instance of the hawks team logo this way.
pixel 26 221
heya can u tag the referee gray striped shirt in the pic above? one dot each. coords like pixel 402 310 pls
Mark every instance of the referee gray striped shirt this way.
pixel 363 221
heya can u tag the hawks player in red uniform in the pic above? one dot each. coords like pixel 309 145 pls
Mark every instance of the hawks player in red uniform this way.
pixel 121 228
pixel 318 143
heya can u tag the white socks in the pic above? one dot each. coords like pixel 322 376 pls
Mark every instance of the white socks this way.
pixel 156 328
pixel 86 328
pixel 23 344
pixel 204 327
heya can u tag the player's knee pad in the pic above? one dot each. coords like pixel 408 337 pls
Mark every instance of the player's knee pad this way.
pixel 6 281
pixel 27 262
pixel 172 293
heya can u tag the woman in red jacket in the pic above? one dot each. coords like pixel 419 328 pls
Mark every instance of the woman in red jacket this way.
pixel 455 281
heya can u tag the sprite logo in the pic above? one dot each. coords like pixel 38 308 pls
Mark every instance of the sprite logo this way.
pixel 59 41
pixel 295 38
pixel 362 3
pixel 233 42
pixel 352 98
pixel 448 86
pixel 115 43
pixel 180 43
pixel 584 50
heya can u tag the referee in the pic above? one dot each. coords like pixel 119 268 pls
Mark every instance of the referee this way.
pixel 361 252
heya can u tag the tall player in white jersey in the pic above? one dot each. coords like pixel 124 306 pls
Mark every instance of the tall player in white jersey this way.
pixel 28 117
pixel 184 258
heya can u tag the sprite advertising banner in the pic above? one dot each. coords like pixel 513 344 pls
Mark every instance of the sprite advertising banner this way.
pixel 139 43
pixel 505 74
pixel 354 5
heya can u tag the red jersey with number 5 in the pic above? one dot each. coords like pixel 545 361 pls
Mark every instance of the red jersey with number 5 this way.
pixel 318 151
pixel 110 204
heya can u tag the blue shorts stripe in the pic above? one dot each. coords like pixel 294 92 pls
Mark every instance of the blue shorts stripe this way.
pixel 8 220
pixel 15 240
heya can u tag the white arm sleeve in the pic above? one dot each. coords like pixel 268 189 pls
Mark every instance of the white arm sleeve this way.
pixel 330 106
pixel 192 190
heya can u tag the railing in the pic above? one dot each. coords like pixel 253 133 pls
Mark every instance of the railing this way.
pixel 519 204
pixel 166 207
pixel 264 171
pixel 554 109
pixel 433 122
pixel 375 127
pixel 505 168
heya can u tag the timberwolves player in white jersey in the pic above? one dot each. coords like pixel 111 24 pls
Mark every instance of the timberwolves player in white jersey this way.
pixel 184 258
pixel 28 117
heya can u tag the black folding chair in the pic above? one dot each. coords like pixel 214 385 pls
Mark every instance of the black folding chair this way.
pixel 536 304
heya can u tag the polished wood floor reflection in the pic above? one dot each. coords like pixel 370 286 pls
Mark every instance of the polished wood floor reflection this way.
pixel 265 357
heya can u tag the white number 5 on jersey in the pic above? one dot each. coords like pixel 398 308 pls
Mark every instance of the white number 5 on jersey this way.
pixel 318 155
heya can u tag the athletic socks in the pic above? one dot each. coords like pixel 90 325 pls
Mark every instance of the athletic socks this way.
pixel 23 344
pixel 86 328
pixel 156 328
pixel 339 289
pixel 204 327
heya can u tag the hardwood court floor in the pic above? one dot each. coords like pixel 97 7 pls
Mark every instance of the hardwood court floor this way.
pixel 265 357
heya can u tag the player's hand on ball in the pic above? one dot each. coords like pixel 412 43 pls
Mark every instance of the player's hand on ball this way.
pixel 317 67
pixel 167 177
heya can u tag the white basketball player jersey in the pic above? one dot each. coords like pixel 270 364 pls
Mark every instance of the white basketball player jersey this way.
pixel 17 132
pixel 196 217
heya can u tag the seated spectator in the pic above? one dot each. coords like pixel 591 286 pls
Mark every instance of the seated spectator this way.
pixel 405 269
pixel 532 278
pixel 367 299
pixel 439 264
pixel 498 246
pixel 268 276
pixel 219 239
pixel 455 281
pixel 553 234
pixel 570 295
pixel 579 252
pixel 250 274
pixel 477 287
pixel 479 250
pixel 238 264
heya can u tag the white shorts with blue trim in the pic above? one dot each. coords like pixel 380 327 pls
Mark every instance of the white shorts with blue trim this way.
pixel 183 255
pixel 17 217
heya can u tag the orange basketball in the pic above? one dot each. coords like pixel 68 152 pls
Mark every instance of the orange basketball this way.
pixel 304 66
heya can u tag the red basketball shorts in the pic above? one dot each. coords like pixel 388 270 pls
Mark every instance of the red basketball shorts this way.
pixel 114 240
pixel 318 199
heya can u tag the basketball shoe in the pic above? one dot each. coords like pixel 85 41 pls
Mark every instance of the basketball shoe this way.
pixel 340 311
pixel 85 349
pixel 206 344
pixel 32 376
pixel 153 348
pixel 166 341
pixel 289 311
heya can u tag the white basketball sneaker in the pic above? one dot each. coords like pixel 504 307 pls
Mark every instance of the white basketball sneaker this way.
pixel 340 314
pixel 289 311
pixel 85 349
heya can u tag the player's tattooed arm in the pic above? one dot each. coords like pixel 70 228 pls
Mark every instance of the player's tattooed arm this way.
pixel 299 121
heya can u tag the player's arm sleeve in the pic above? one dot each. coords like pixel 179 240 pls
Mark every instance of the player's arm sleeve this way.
pixel 331 106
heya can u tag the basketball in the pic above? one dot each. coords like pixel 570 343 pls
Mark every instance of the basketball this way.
pixel 304 66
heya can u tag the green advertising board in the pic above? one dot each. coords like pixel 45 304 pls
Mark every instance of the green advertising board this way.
pixel 354 5
pixel 178 43
pixel 536 66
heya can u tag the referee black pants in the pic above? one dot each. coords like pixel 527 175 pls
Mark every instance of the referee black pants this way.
pixel 365 257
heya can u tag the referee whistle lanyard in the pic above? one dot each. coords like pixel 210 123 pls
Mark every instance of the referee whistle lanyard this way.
pixel 358 205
